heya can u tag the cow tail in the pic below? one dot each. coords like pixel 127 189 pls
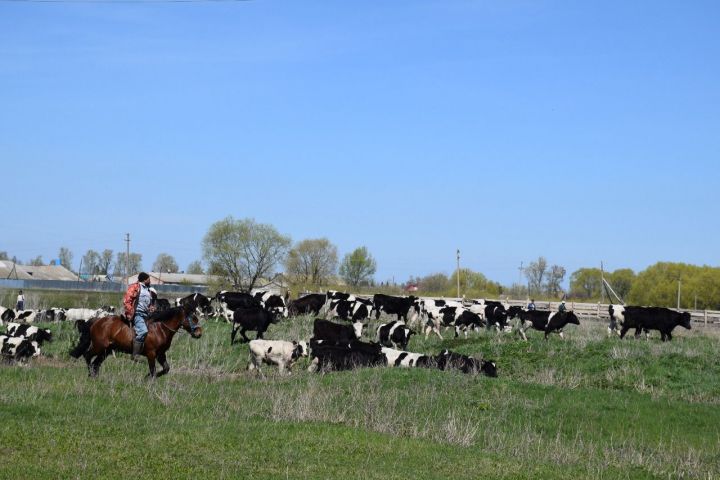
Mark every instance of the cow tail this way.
pixel 85 339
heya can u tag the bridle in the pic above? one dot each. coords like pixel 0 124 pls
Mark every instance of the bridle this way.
pixel 193 325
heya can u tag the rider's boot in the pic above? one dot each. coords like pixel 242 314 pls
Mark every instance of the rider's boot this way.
pixel 137 350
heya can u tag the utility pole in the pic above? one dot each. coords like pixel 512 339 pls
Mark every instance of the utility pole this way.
pixel 678 303
pixel 458 273
pixel 602 283
pixel 520 270
pixel 127 259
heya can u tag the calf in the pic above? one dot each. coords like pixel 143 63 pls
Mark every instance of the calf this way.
pixel 276 352
pixel 328 356
pixel 34 334
pixel 311 303
pixel 253 319
pixel 335 332
pixel 448 360
pixel 394 334
pixel 654 318
pixel 18 348
pixel 546 321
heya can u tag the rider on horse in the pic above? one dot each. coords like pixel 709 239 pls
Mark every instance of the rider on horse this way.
pixel 138 306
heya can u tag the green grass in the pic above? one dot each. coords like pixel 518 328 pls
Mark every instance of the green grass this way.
pixel 588 407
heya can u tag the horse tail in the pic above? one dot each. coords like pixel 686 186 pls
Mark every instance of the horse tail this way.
pixel 83 326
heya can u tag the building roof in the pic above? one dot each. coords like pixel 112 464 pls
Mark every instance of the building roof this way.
pixel 29 272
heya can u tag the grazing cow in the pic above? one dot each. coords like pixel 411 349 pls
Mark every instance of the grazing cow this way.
pixel 75 314
pixel 546 321
pixel 335 332
pixel 448 360
pixel 328 356
pixel 18 348
pixel 27 316
pixel 399 358
pixel 439 313
pixel 311 303
pixel 406 308
pixel 251 319
pixel 654 318
pixel 394 334
pixel 276 352
pixel 34 334
pixel 468 320
pixel 355 309
pixel 273 302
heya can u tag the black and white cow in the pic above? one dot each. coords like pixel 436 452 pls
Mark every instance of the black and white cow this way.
pixel 654 318
pixel 32 333
pixel 200 302
pixel 496 315
pixel 251 319
pixel 18 348
pixel 395 334
pixel 402 359
pixel 406 308
pixel 336 333
pixel 27 316
pixel 276 352
pixel 353 309
pixel 447 360
pixel 439 313
pixel 617 319
pixel 546 321
pixel 6 315
pixel 330 356
pixel 311 303
pixel 273 302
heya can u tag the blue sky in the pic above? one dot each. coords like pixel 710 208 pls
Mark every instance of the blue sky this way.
pixel 581 131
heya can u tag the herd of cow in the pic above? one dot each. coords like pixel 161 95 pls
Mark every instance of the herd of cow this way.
pixel 340 346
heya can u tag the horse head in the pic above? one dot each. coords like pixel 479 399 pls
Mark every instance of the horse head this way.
pixel 190 323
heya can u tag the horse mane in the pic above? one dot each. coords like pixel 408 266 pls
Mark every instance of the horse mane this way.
pixel 166 315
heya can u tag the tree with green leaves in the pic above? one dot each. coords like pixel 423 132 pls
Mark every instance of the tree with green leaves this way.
pixel 195 268
pixel 434 283
pixel 312 261
pixel 244 252
pixel 585 283
pixel 621 281
pixel 358 267
pixel 165 263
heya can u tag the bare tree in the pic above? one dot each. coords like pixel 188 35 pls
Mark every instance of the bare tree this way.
pixel 105 262
pixel 555 276
pixel 195 268
pixel 312 261
pixel 535 274
pixel 66 257
pixel 165 263
pixel 37 261
pixel 358 267
pixel 244 251
pixel 90 262
pixel 4 255
pixel 135 264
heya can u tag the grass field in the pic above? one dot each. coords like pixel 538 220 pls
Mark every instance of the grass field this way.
pixel 588 407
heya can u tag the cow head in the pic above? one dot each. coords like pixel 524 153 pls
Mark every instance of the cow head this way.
pixel 684 320
pixel 488 368
pixel 358 328
pixel 570 317
pixel 44 335
pixel 300 350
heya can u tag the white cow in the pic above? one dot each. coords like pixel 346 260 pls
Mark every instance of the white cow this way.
pixel 276 352
pixel 74 314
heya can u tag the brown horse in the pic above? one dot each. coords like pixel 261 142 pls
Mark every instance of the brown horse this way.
pixel 101 336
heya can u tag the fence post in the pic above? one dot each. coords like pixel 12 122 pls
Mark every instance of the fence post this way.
pixel 597 312
pixel 705 314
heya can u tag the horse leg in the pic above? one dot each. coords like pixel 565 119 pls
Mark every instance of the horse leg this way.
pixel 166 366
pixel 151 364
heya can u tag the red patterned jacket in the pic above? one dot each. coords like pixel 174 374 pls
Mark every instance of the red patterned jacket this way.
pixel 130 300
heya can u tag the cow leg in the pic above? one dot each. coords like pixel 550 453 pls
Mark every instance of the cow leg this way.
pixel 623 332
pixel 668 335
pixel 245 338
pixel 561 335
pixel 313 365
pixel 233 333
pixel 457 333
pixel 521 331
pixel 163 361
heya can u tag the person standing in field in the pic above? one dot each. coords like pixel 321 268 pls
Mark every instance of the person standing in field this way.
pixel 138 306
pixel 531 305
pixel 562 308
pixel 20 305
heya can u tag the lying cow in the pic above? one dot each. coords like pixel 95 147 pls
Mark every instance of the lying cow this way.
pixel 18 348
pixel 29 332
pixel 329 356
pixel 402 359
pixel 335 332
pixel 276 352
pixel 654 318
pixel 251 319
pixel 394 334
pixel 545 321
pixel 447 360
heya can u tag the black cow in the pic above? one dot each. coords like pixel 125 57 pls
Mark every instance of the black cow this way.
pixel 406 308
pixel 199 302
pixel 34 334
pixel 7 314
pixel 234 300
pixel 546 321
pixel 250 319
pixel 394 334
pixel 336 333
pixel 308 304
pixel 448 360
pixel 654 318
pixel 495 315
pixel 466 321
pixel 514 311
pixel 328 356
